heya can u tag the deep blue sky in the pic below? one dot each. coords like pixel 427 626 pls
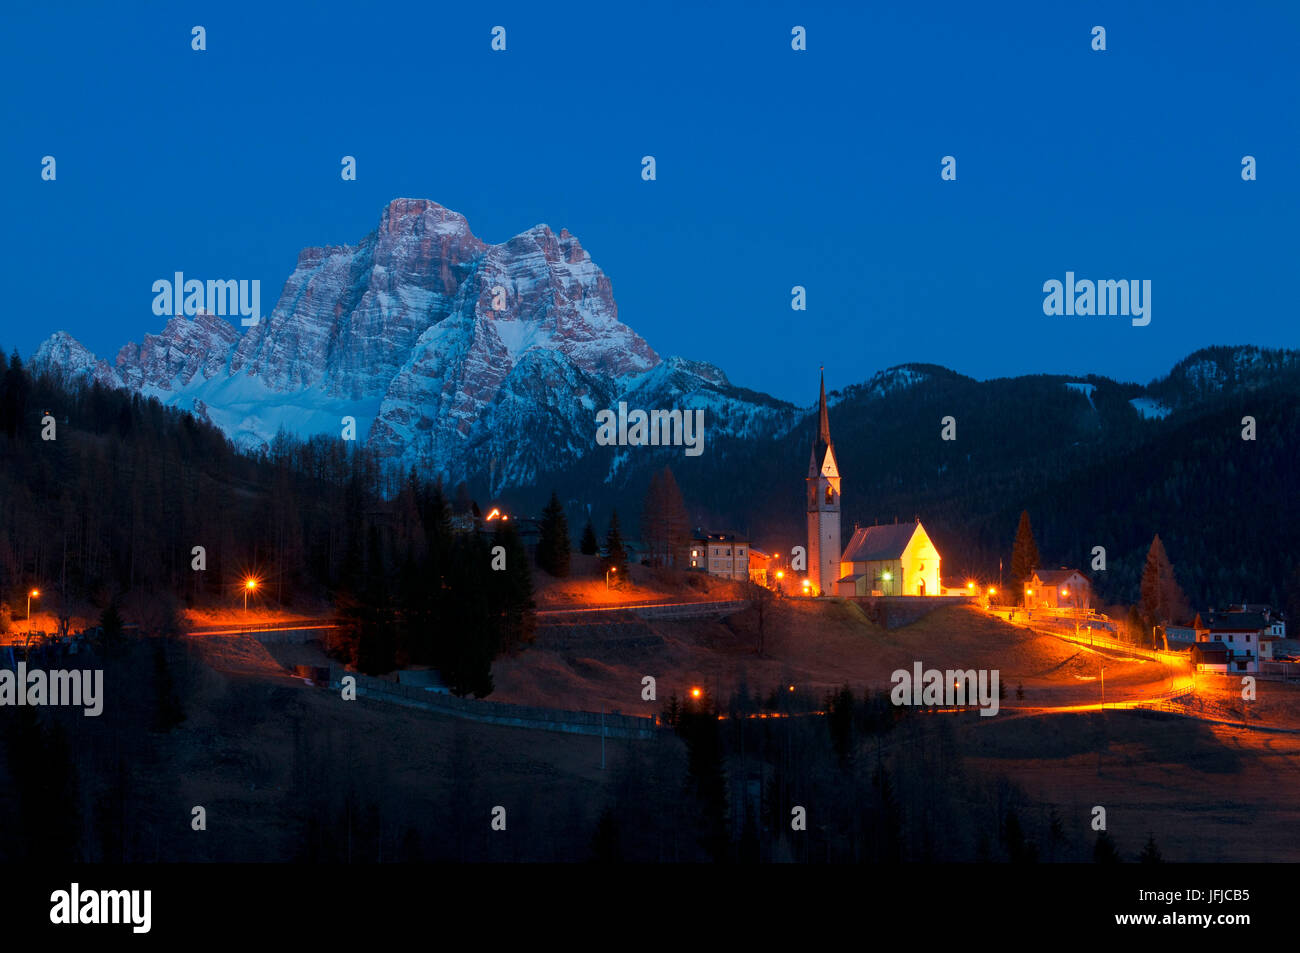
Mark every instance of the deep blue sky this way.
pixel 775 168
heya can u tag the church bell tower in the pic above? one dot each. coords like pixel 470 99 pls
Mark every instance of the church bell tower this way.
pixel 823 507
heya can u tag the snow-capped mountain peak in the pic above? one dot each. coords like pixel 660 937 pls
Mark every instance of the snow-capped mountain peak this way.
pixel 453 355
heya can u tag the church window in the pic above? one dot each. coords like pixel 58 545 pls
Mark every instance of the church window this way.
pixel 830 494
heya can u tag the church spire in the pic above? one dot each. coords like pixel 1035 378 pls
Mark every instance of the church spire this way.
pixel 824 423
pixel 821 446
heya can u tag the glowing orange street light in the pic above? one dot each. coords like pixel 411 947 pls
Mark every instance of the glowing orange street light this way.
pixel 611 571
pixel 780 574
pixel 34 594
pixel 249 585
pixel 695 693
pixel 993 590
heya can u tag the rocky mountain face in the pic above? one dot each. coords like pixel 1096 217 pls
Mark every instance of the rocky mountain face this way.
pixel 464 359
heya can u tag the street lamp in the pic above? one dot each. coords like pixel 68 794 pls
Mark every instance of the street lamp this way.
pixel 249 585
pixel 608 572
pixel 34 594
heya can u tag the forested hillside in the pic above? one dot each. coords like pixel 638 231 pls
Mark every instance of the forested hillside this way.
pixel 1075 452
pixel 131 503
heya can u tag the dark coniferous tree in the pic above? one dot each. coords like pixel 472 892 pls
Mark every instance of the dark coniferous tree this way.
pixel 590 545
pixel 615 552
pixel 1024 556
pixel 513 589
pixel 553 539
pixel 1150 853
pixel 1103 851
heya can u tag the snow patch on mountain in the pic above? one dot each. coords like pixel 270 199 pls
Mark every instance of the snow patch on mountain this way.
pixel 1085 389
pixel 1149 408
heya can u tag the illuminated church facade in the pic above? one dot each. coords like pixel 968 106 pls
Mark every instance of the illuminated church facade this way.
pixel 894 560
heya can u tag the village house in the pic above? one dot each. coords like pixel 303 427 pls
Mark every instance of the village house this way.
pixel 759 565
pixel 1179 635
pixel 1244 637
pixel 896 559
pixel 719 554
pixel 1276 624
pixel 1058 589
pixel 1210 657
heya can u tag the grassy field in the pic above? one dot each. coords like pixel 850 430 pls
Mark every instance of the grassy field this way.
pixel 1206 793
pixel 817 646
pixel 256 741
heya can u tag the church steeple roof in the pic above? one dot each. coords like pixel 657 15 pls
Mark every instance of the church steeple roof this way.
pixel 824 423
pixel 822 445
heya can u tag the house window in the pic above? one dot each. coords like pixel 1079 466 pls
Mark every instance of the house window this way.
pixel 740 552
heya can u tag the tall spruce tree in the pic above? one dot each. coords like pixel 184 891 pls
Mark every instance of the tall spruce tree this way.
pixel 473 636
pixel 513 590
pixel 553 539
pixel 1162 597
pixel 1024 555
pixel 664 521
pixel 615 552
pixel 590 545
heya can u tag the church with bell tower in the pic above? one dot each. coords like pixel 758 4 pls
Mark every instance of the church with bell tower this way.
pixel 823 506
